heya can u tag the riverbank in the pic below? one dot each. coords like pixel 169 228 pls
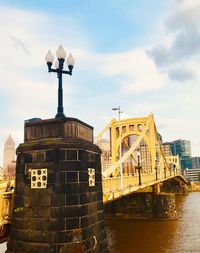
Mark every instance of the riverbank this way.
pixel 194 187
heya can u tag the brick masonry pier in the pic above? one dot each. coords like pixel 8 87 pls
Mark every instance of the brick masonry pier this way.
pixel 143 205
pixel 58 205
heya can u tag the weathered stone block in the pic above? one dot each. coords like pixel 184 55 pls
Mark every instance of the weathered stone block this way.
pixel 20 247
pixel 72 223
pixel 83 176
pixel 58 200
pixel 56 224
pixel 72 199
pixel 71 176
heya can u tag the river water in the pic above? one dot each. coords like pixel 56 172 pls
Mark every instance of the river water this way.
pixel 177 236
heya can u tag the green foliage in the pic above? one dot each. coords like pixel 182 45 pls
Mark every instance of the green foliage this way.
pixel 199 176
pixel 19 209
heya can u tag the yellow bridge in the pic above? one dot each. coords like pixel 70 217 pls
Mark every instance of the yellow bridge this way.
pixel 133 159
pixel 112 188
pixel 144 163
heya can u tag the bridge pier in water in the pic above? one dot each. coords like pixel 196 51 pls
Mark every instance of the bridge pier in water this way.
pixel 153 199
pixel 143 205
pixel 156 202
pixel 58 205
pixel 172 186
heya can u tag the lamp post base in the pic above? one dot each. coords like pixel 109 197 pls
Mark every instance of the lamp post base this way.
pixel 60 115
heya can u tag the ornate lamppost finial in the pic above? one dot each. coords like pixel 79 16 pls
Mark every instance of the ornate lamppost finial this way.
pixel 59 64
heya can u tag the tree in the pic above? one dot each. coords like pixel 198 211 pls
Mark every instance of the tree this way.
pixel 199 176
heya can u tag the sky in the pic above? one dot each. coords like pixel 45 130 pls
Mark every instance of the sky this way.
pixel 142 55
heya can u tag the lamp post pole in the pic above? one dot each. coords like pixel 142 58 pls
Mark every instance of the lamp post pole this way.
pixel 170 171
pixel 174 168
pixel 139 168
pixel 120 145
pixel 165 171
pixel 59 64
pixel 156 169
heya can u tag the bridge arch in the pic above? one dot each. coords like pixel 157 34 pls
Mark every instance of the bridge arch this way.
pixel 145 131
pixel 129 166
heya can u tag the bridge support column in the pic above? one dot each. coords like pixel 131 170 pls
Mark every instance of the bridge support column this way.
pixel 172 186
pixel 58 206
pixel 156 188
pixel 144 205
pixel 164 206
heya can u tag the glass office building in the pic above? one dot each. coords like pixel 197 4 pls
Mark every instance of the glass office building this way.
pixel 195 162
pixel 183 149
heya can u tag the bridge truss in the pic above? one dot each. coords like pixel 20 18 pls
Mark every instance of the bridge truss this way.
pixel 141 149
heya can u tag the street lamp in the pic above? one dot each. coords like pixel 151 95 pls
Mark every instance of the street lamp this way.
pixel 120 145
pixel 174 169
pixel 156 169
pixel 165 171
pixel 59 64
pixel 170 169
pixel 139 167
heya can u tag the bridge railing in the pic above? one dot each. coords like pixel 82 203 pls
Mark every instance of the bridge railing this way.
pixel 6 206
pixel 113 184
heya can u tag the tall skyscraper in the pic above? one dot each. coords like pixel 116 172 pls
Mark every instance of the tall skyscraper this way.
pixel 195 162
pixel 9 153
pixel 183 149
pixel 11 171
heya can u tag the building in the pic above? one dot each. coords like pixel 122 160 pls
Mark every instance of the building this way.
pixel 11 171
pixel 174 163
pixel 104 145
pixel 9 153
pixel 195 162
pixel 193 174
pixel 182 148
pixel 1 173
pixel 166 147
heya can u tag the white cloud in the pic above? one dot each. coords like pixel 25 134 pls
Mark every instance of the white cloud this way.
pixel 138 71
pixel 182 26
pixel 185 4
pixel 133 70
pixel 27 90
pixel 179 59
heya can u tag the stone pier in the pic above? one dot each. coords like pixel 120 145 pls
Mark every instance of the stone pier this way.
pixel 58 206
pixel 172 186
pixel 143 205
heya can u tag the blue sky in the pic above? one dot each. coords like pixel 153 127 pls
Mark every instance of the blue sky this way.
pixel 142 55
pixel 123 21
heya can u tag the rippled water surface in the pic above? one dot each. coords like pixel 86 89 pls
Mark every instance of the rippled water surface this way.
pixel 182 235
pixel 2 247
pixel 179 236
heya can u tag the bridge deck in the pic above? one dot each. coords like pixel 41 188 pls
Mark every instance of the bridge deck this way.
pixel 111 191
pixel 112 187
